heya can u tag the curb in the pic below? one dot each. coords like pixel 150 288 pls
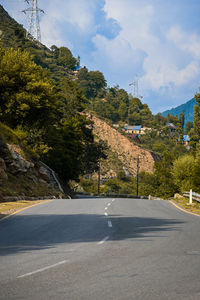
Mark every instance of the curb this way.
pixel 183 209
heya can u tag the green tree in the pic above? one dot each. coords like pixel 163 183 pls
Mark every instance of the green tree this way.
pixel 196 170
pixel 91 82
pixel 67 146
pixel 183 172
pixel 83 74
pixel 188 127
pixel 28 95
pixel 66 59
pixel 182 119
pixel 122 111
pixel 163 172
pixel 195 131
pixel 55 51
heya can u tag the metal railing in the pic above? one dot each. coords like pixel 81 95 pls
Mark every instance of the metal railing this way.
pixel 192 196
pixel 54 176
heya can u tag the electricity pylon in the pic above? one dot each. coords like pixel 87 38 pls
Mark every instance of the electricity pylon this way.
pixel 135 87
pixel 34 21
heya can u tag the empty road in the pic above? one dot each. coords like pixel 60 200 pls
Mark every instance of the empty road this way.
pixel 88 249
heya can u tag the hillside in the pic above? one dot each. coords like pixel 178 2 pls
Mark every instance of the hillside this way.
pixel 126 151
pixel 188 108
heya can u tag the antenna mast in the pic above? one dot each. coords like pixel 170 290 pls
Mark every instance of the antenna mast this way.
pixel 34 22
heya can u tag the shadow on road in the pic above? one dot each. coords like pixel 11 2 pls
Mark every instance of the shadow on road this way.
pixel 35 232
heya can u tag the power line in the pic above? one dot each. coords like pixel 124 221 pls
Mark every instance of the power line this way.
pixel 34 22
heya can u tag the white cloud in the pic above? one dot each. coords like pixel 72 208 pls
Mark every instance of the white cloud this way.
pixel 51 33
pixel 185 41
pixel 64 17
pixel 164 61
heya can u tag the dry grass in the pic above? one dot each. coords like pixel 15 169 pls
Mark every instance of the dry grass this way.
pixel 7 208
pixel 183 202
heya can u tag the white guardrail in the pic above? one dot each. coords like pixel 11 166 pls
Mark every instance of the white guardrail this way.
pixel 192 196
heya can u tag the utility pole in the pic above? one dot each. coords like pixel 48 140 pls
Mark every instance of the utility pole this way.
pixel 138 169
pixel 34 22
pixel 99 178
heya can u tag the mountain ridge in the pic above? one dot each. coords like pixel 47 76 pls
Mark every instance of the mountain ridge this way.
pixel 188 108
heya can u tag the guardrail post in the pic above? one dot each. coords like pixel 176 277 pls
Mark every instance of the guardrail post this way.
pixel 190 202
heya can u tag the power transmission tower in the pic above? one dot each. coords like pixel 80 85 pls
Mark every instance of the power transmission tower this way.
pixel 34 21
pixel 135 87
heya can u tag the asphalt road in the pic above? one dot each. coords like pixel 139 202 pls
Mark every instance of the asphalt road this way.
pixel 88 249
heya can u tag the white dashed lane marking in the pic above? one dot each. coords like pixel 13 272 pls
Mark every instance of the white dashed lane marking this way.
pixel 43 269
pixel 109 224
pixel 103 241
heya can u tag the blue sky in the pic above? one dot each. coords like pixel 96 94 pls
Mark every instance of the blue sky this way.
pixel 159 40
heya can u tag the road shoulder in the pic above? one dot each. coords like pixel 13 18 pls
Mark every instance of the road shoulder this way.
pixel 183 207
pixel 8 209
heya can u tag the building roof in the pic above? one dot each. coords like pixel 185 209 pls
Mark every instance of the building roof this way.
pixel 132 127
pixel 77 68
pixel 186 138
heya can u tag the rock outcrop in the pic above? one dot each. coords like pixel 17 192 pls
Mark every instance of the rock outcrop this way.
pixel 127 152
pixel 17 163
pixel 13 163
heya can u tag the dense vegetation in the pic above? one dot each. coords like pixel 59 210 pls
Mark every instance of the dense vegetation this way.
pixel 45 116
pixel 42 98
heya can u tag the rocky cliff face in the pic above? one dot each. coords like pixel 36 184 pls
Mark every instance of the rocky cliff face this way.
pixel 127 152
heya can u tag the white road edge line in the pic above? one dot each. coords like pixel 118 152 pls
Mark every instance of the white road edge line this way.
pixel 43 269
pixel 103 241
pixel 109 224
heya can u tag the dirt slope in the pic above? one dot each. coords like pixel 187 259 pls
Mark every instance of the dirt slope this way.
pixel 127 152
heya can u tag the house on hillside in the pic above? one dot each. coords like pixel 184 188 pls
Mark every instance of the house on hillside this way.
pixel 137 130
pixel 133 129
